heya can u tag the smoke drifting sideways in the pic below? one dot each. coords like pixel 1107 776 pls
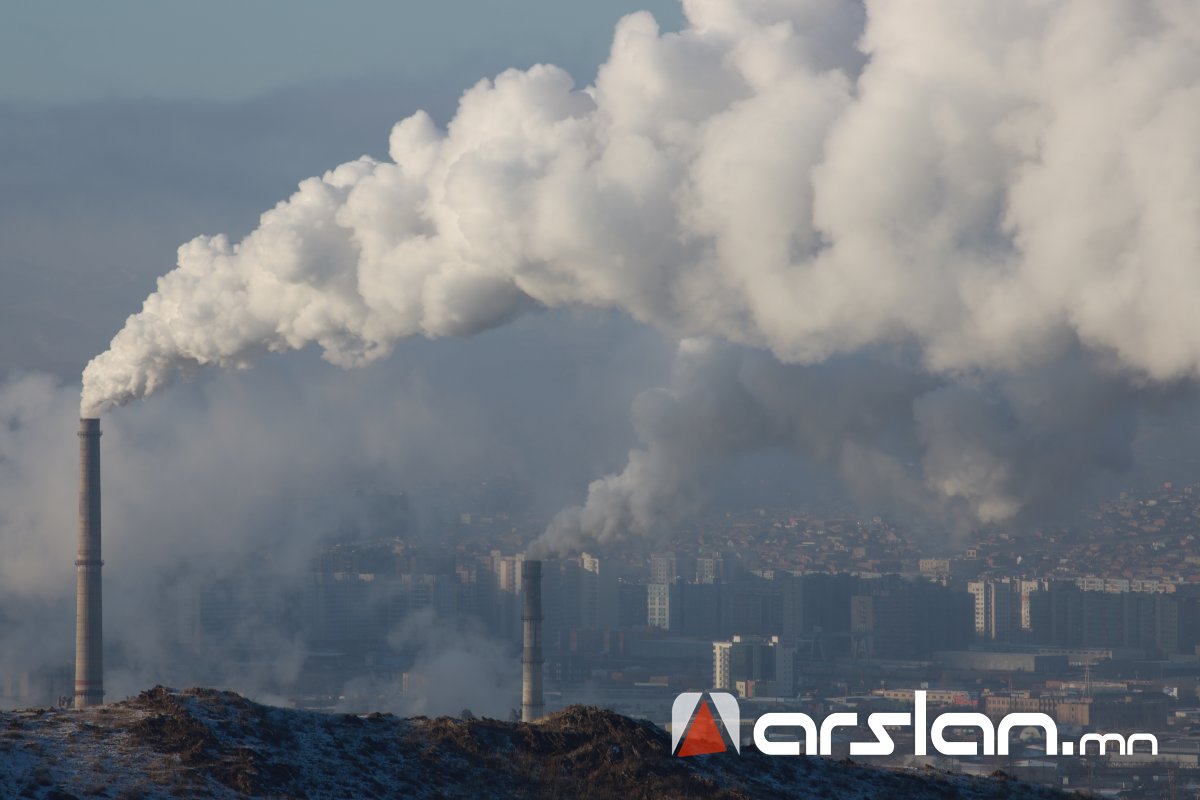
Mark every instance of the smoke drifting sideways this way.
pixel 946 453
pixel 1007 193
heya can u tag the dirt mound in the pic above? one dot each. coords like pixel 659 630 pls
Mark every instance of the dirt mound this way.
pixel 207 743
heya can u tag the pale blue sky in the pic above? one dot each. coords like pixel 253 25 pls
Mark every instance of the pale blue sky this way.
pixel 72 51
pixel 127 127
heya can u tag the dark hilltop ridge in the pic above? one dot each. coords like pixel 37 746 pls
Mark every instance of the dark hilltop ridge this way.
pixel 206 743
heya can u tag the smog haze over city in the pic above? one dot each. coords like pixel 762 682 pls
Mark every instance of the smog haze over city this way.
pixel 821 352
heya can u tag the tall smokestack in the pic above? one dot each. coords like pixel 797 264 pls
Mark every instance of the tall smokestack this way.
pixel 531 656
pixel 89 623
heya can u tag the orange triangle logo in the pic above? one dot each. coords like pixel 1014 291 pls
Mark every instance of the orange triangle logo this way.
pixel 703 737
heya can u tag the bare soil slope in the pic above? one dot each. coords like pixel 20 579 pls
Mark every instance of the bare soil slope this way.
pixel 206 743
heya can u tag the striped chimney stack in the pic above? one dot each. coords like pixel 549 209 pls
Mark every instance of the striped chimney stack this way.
pixel 532 707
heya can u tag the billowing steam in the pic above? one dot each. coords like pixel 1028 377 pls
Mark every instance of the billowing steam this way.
pixel 982 450
pixel 998 189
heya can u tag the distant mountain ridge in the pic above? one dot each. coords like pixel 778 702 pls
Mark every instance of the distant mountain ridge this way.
pixel 207 743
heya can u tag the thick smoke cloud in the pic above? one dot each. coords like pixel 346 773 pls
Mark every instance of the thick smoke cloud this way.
pixel 1007 192
pixel 938 448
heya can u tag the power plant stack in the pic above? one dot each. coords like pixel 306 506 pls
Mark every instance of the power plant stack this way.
pixel 89 623
pixel 532 707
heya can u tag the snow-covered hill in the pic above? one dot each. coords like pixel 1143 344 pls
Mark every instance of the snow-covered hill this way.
pixel 205 743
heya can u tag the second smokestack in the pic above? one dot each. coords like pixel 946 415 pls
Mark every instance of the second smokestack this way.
pixel 532 707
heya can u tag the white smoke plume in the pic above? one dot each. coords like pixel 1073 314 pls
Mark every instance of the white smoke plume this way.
pixel 996 187
pixel 981 450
